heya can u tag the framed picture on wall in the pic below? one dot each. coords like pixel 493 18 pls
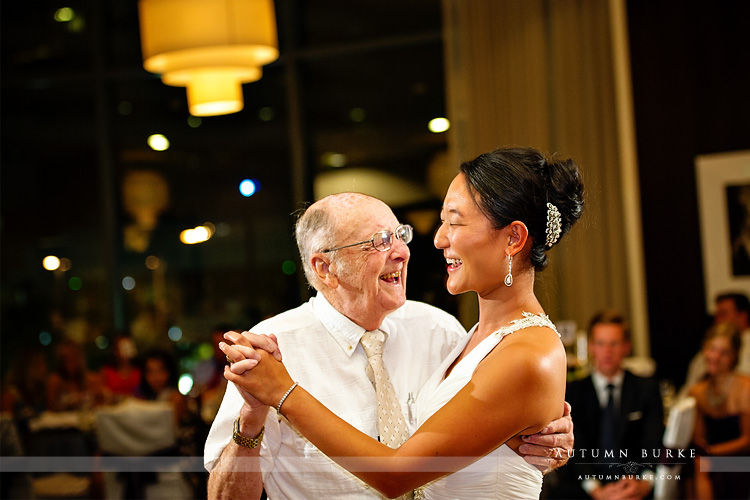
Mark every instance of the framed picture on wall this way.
pixel 724 204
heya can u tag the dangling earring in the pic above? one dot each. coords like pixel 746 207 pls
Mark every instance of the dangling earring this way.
pixel 509 276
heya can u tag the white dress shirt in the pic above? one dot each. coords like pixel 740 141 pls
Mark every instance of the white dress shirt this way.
pixel 600 384
pixel 322 353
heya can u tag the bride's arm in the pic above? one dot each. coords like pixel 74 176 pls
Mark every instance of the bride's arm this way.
pixel 517 389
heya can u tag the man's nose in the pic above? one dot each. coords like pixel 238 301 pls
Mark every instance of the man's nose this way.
pixel 399 250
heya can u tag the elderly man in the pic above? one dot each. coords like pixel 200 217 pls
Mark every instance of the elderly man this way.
pixel 250 448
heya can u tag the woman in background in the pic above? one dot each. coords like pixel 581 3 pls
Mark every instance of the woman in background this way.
pixel 71 386
pixel 121 378
pixel 24 387
pixel 722 426
pixel 159 382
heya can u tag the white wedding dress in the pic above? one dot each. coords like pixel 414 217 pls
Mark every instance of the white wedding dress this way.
pixel 501 473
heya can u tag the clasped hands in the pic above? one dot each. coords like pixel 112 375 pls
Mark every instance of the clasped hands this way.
pixel 255 366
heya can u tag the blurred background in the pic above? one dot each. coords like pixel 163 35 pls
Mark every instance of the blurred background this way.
pixel 103 167
pixel 354 89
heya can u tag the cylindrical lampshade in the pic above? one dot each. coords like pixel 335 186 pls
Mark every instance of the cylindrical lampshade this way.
pixel 209 46
pixel 214 92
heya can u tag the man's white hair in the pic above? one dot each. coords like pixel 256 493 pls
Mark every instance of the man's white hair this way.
pixel 318 227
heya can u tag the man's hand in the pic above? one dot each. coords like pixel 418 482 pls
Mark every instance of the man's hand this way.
pixel 553 446
pixel 241 351
pixel 266 381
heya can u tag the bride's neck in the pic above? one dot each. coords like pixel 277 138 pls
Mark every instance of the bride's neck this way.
pixel 498 311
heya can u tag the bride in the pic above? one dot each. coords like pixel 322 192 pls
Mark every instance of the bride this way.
pixel 502 213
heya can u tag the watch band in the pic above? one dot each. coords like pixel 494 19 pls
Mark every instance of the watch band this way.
pixel 246 441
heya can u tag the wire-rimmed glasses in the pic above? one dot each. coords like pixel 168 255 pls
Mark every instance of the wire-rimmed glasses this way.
pixel 383 240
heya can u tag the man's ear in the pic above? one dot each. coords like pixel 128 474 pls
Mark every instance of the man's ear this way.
pixel 324 270
pixel 518 235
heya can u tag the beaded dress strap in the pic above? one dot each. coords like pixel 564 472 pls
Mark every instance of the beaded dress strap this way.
pixel 529 319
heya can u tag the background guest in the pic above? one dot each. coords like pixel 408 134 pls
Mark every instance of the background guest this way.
pixel 722 426
pixel 614 410
pixel 71 386
pixel 23 390
pixel 730 308
pixel 121 378
pixel 159 382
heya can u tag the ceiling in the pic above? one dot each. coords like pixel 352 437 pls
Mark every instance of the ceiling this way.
pixel 360 79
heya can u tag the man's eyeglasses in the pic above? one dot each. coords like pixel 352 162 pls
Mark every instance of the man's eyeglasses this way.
pixel 383 240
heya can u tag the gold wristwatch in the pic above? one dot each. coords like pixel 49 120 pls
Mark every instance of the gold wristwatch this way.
pixel 246 441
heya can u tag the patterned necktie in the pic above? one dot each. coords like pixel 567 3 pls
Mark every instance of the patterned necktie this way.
pixel 391 424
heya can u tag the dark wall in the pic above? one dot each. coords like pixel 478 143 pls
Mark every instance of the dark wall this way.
pixel 691 82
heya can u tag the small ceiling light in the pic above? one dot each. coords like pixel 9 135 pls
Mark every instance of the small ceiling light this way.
pixel 249 187
pixel 198 234
pixel 439 125
pixel 211 47
pixel 51 263
pixel 158 142
pixel 64 15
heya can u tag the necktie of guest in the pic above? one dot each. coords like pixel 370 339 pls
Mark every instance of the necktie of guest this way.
pixel 608 426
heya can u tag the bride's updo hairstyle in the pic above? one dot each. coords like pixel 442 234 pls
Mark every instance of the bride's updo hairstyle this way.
pixel 517 183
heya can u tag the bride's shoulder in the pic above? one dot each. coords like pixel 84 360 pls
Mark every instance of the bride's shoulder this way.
pixel 539 340
pixel 534 350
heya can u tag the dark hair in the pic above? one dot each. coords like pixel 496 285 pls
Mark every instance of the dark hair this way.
pixel 741 302
pixel 169 364
pixel 517 183
pixel 610 317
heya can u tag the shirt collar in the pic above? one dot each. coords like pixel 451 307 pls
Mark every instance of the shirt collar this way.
pixel 601 382
pixel 344 331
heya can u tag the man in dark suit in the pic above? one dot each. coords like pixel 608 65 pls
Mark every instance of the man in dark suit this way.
pixel 618 418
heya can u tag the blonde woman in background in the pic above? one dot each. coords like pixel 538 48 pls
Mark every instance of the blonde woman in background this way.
pixel 722 426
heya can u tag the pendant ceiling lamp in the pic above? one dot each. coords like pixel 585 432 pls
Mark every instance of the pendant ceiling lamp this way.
pixel 211 47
